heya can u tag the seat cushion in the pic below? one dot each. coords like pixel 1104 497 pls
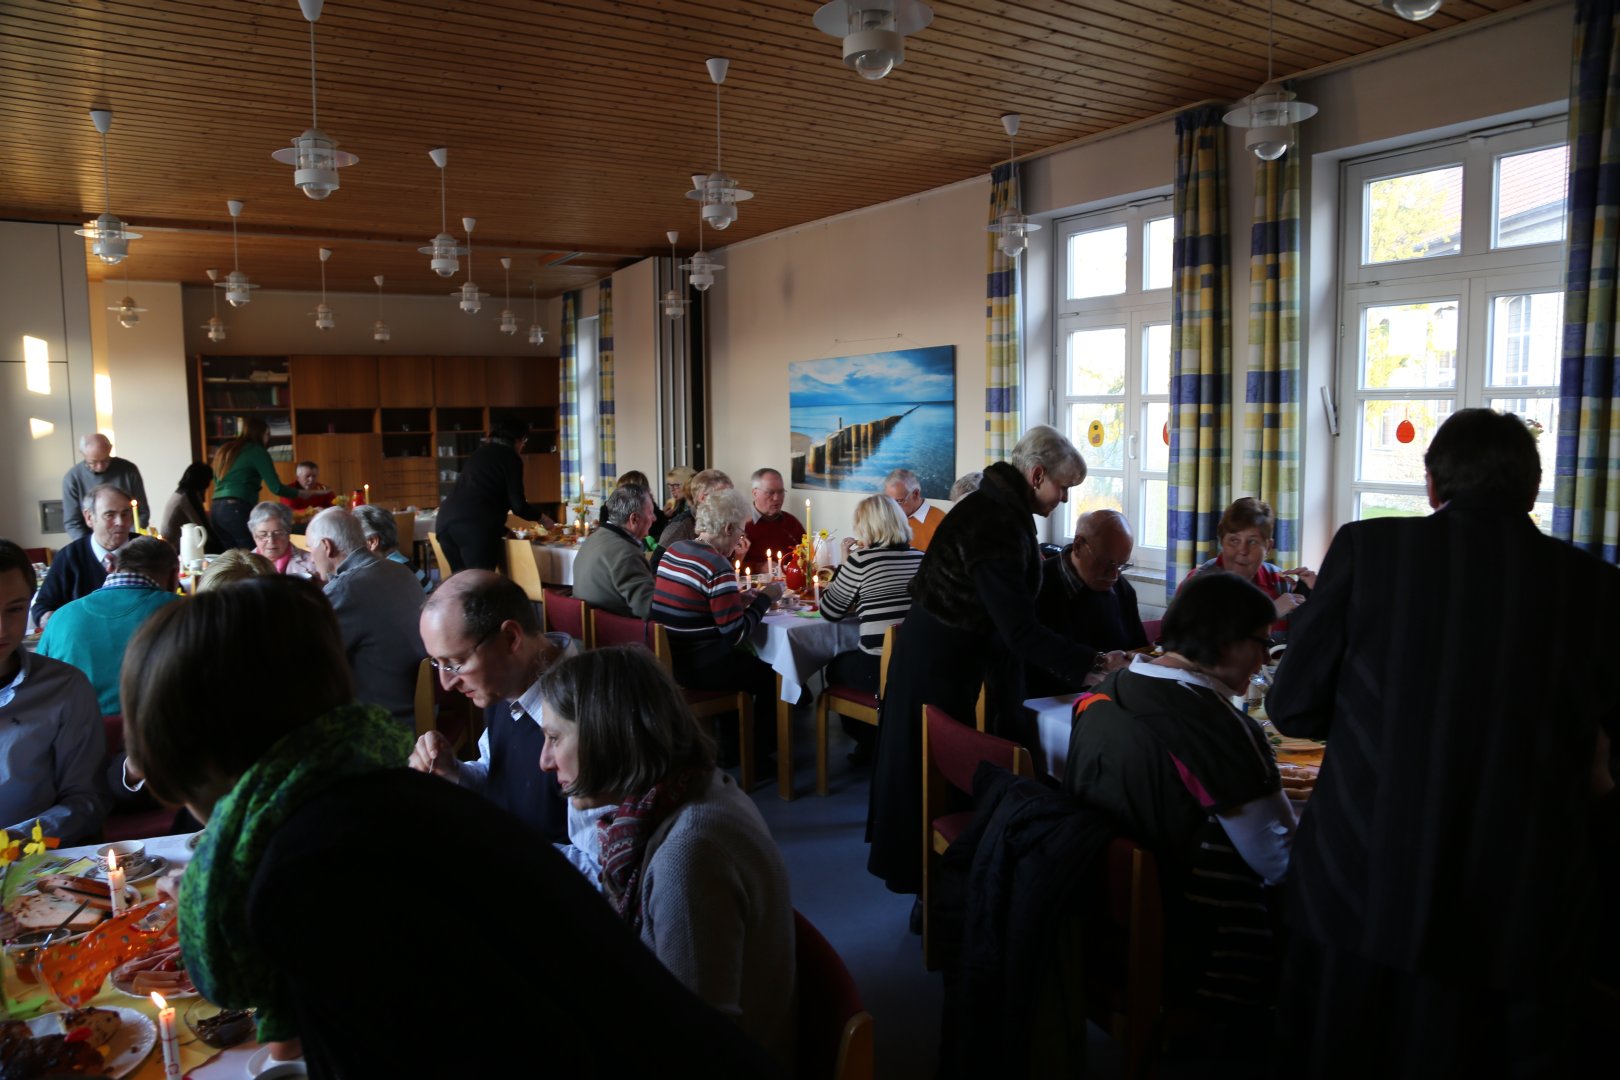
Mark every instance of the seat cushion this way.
pixel 839 692
pixel 950 826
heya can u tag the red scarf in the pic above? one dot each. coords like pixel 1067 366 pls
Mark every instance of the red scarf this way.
pixel 625 832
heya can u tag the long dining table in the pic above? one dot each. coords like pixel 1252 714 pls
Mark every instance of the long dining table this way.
pixel 797 644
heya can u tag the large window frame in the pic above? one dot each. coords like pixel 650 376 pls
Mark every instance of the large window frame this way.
pixel 1472 281
pixel 1134 459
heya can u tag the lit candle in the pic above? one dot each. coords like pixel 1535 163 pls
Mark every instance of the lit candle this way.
pixel 167 1035
pixel 115 883
pixel 768 571
pixel 750 577
pixel 135 508
pixel 368 493
pixel 576 525
pixel 807 527
pixel 736 567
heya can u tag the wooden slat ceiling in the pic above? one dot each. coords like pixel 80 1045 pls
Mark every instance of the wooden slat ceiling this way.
pixel 574 127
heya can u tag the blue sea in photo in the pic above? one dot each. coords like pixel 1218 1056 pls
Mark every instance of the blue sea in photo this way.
pixel 924 442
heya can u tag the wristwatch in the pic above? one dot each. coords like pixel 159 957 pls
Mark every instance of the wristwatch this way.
pixel 1100 663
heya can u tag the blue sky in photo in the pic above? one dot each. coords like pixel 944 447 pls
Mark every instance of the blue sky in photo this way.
pixel 906 375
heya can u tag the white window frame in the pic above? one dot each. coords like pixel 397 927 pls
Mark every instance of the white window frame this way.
pixel 1474 278
pixel 585 348
pixel 1135 310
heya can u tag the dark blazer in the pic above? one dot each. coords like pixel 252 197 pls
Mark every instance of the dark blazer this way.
pixel 1095 621
pixel 490 485
pixel 1457 666
pixel 75 571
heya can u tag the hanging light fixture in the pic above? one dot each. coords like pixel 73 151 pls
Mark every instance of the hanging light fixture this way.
pixel 323 310
pixel 215 325
pixel 1271 112
pixel 717 192
pixel 443 247
pixel 1411 10
pixel 379 329
pixel 128 313
pixel 675 299
pixel 1012 228
pixel 701 267
pixel 236 284
pixel 314 157
pixel 873 31
pixel 508 316
pixel 537 333
pixel 469 294
pixel 109 237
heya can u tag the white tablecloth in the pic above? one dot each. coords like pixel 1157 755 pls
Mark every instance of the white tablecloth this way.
pixel 1054 720
pixel 426 521
pixel 797 645
pixel 556 563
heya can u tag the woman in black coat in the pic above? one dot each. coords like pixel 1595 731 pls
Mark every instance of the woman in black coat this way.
pixel 472 521
pixel 972 621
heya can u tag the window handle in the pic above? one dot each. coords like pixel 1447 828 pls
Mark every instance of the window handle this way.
pixel 1130 446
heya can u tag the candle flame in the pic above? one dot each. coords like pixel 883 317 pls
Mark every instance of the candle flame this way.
pixel 112 860
pixel 157 999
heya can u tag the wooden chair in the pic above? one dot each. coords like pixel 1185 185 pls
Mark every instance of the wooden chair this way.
pixel 135 823
pixel 1124 980
pixel 522 568
pixel 38 555
pixel 609 628
pixel 564 614
pixel 1154 628
pixel 427 718
pixel 438 556
pixel 707 704
pixel 951 753
pixel 850 702
pixel 446 712
pixel 299 541
pixel 835 1030
pixel 404 530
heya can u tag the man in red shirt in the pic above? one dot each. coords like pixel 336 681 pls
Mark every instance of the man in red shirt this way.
pixel 771 527
pixel 311 491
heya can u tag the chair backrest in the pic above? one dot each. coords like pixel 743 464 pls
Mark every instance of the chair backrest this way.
pixel 426 714
pixel 113 728
pixel 660 646
pixel 891 637
pixel 404 529
pixel 299 541
pixel 523 568
pixel 38 555
pixel 955 750
pixel 565 614
pixel 1154 628
pixel 438 555
pixel 835 1030
pixel 608 628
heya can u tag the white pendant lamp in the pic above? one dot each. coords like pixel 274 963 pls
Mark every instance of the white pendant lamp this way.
pixel 313 155
pixel 109 237
pixel 701 266
pixel 323 310
pixel 675 298
pixel 1011 227
pixel 1271 112
pixel 236 284
pixel 128 313
pixel 469 294
pixel 537 333
pixel 443 249
pixel 379 329
pixel 508 316
pixel 873 31
pixel 1411 10
pixel 717 192
pixel 215 325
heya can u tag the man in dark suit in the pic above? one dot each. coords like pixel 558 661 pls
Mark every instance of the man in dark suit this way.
pixel 1441 891
pixel 80 568
pixel 1084 596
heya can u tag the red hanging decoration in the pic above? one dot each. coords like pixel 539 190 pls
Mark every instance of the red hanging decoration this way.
pixel 1405 432
pixel 1166 433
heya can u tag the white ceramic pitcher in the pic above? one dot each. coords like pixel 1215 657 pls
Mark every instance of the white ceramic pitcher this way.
pixel 193 538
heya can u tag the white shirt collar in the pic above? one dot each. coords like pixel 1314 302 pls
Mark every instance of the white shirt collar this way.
pixel 529 704
pixel 921 513
pixel 1143 665
pixel 100 552
pixel 9 691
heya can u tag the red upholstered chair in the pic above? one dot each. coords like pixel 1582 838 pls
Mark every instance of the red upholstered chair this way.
pixel 1153 627
pixel 38 555
pixel 565 614
pixel 710 703
pixel 850 702
pixel 951 754
pixel 1124 964
pixel 608 628
pixel 135 824
pixel 835 1030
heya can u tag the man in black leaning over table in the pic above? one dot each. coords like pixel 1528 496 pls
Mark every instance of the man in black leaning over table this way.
pixel 1441 888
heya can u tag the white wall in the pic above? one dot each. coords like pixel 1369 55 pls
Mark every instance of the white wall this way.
pixel 635 371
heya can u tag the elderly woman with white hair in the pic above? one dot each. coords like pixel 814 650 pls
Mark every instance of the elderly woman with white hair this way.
pixel 972 621
pixel 706 611
pixel 270 525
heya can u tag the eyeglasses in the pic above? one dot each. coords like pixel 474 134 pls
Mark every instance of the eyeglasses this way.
pixel 1109 565
pixel 278 534
pixel 1232 542
pixel 456 667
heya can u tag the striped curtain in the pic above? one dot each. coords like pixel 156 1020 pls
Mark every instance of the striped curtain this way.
pixel 568 398
pixel 1003 374
pixel 1586 493
pixel 607 439
pixel 1272 400
pixel 1201 345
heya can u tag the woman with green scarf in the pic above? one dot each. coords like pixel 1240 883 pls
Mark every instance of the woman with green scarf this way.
pixel 311 897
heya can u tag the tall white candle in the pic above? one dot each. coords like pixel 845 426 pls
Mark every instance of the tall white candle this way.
pixel 167 1035
pixel 807 526
pixel 135 508
pixel 115 883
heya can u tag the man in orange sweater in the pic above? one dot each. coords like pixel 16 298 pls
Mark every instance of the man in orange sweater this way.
pixel 901 485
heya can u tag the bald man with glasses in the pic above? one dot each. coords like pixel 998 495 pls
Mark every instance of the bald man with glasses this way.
pixel 1085 597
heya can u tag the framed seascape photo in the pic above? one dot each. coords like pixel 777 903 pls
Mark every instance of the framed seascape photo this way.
pixel 853 419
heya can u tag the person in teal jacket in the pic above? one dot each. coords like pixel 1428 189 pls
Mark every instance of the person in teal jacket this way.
pixel 90 633
pixel 240 467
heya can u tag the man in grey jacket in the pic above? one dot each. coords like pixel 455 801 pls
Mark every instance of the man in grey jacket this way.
pixel 99 467
pixel 612 571
pixel 378 604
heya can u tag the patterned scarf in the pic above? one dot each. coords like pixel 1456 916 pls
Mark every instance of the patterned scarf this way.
pixel 349 741
pixel 624 834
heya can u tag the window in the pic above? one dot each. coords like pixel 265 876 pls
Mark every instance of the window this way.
pixel 1452 299
pixel 1112 364
pixel 589 452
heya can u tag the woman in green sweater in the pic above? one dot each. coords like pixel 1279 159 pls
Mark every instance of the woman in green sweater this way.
pixel 240 466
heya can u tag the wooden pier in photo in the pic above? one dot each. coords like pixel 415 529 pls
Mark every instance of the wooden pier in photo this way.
pixel 845 448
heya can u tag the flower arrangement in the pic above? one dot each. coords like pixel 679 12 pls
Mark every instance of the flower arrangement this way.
pixel 14 850
pixel 807 547
pixel 1536 430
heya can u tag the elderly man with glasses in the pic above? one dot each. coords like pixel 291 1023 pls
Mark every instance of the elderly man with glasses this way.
pixel 1085 597
pixel 482 635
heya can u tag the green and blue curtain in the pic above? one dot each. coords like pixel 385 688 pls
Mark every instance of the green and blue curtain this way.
pixel 568 398
pixel 1003 375
pixel 1586 493
pixel 607 439
pixel 1201 345
pixel 1272 401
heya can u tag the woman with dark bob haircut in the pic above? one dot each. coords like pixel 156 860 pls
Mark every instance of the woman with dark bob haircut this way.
pixel 1160 749
pixel 686 859
pixel 305 796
